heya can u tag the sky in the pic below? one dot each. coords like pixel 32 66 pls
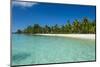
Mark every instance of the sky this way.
pixel 30 13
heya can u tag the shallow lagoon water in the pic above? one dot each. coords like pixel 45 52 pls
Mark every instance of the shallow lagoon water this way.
pixel 29 49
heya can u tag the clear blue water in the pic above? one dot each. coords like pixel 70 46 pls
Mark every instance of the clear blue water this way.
pixel 29 49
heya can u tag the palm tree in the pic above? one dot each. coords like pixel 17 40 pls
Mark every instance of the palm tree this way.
pixel 68 27
pixel 56 29
pixel 85 26
pixel 47 29
pixel 28 30
pixel 63 29
pixel 76 26
pixel 36 28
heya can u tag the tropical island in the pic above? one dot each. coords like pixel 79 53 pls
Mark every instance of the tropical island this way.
pixel 44 33
pixel 86 28
pixel 83 27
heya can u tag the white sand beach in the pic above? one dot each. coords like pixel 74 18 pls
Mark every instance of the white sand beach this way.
pixel 82 36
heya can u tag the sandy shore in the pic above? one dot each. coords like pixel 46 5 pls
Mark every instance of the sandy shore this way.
pixel 82 36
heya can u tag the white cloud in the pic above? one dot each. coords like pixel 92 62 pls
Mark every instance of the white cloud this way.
pixel 23 4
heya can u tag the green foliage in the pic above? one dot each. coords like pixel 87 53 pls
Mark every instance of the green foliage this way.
pixel 19 31
pixel 28 30
pixel 76 27
pixel 36 28
pixel 68 27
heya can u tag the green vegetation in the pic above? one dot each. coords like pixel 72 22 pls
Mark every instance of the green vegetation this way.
pixel 76 27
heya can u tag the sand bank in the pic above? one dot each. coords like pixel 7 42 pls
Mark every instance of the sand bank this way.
pixel 83 36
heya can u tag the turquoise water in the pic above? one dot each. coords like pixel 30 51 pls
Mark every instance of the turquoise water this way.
pixel 29 49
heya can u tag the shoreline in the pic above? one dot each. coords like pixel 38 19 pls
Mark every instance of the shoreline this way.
pixel 82 36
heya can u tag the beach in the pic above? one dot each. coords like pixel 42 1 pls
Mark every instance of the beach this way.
pixel 82 36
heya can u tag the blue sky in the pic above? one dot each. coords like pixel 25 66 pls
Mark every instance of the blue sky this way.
pixel 29 13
